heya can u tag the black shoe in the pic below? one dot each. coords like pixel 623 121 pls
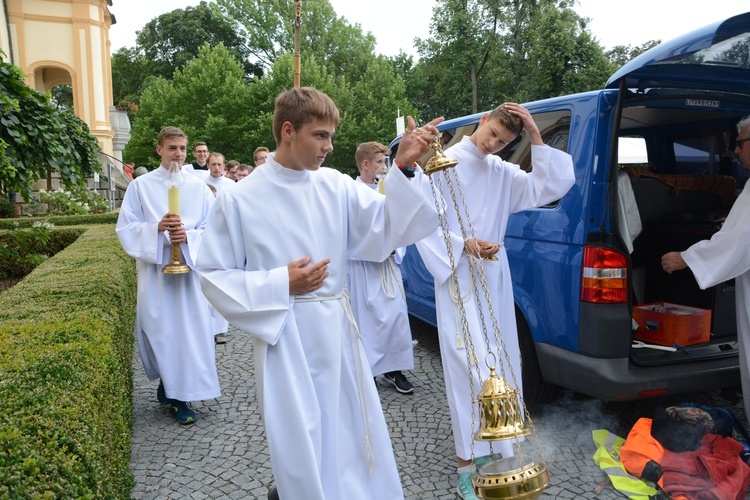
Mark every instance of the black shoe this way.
pixel 161 396
pixel 273 494
pixel 399 382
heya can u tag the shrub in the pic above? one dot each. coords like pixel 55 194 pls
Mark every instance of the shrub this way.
pixel 74 201
pixel 21 250
pixel 66 346
pixel 61 220
pixel 7 210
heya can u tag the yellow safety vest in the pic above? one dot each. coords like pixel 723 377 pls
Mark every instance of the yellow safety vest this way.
pixel 607 457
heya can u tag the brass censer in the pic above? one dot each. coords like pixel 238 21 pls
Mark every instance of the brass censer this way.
pixel 502 413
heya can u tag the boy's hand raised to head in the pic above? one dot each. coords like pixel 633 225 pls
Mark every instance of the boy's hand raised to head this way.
pixel 529 125
pixel 416 141
pixel 306 279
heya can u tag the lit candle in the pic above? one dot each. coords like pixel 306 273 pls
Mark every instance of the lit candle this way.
pixel 174 199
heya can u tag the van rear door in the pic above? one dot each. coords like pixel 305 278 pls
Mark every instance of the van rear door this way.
pixel 715 58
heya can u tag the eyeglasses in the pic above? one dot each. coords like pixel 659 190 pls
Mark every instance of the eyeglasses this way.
pixel 740 142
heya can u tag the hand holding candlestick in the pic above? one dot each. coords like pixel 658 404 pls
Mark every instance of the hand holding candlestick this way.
pixel 172 222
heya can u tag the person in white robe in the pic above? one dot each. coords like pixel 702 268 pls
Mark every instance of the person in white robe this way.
pixel 200 166
pixel 219 181
pixel 216 171
pixel 273 262
pixel 172 320
pixel 377 293
pixel 725 256
pixel 492 190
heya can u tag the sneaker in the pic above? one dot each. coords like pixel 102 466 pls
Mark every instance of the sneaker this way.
pixel 465 487
pixel 273 494
pixel 399 382
pixel 480 462
pixel 220 338
pixel 161 396
pixel 183 412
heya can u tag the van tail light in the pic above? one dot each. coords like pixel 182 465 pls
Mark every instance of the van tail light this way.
pixel 605 276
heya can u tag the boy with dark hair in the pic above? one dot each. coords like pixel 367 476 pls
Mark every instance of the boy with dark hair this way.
pixel 377 293
pixel 243 171
pixel 494 189
pixel 273 262
pixel 231 170
pixel 172 321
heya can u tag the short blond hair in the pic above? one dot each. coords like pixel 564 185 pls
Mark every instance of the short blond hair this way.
pixel 367 150
pixel 259 149
pixel 302 105
pixel 169 133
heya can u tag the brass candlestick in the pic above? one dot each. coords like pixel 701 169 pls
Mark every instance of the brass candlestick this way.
pixel 173 180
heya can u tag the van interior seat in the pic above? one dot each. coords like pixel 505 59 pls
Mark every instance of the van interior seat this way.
pixel 675 199
pixel 660 194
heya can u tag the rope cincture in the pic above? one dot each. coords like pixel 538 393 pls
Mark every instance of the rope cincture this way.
pixel 389 279
pixel 355 337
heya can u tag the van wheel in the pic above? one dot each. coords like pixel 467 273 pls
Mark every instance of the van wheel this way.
pixel 536 390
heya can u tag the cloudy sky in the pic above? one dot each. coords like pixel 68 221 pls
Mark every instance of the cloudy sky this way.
pixel 623 23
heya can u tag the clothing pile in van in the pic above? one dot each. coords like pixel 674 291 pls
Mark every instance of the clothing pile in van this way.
pixel 681 450
pixel 722 186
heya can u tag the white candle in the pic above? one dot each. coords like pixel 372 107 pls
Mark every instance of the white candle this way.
pixel 174 199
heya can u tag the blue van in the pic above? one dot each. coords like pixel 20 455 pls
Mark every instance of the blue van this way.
pixel 582 265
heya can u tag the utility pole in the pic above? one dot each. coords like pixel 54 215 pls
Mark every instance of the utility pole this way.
pixel 297 25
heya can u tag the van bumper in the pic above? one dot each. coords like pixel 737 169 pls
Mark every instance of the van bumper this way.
pixel 617 379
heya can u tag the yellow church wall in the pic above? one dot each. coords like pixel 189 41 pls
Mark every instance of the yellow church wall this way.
pixel 58 42
pixel 4 41
pixel 48 8
pixel 51 40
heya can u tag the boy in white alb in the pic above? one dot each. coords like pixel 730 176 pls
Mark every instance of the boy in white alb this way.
pixel 377 294
pixel 172 321
pixel 493 189
pixel 219 181
pixel 273 262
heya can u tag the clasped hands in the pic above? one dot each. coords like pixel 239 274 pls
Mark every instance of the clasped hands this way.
pixel 171 222
pixel 482 249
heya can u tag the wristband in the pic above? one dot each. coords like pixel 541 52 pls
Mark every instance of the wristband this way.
pixel 408 171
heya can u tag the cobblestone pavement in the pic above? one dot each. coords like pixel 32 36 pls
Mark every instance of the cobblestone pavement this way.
pixel 224 454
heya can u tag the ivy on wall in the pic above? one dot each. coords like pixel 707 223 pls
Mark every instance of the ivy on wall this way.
pixel 36 138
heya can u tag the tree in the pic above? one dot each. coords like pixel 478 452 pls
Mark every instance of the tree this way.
pixel 209 100
pixel 235 116
pixel 484 52
pixel 169 41
pixel 369 112
pixel 174 38
pixel 269 27
pixel 563 57
pixel 36 138
pixel 621 54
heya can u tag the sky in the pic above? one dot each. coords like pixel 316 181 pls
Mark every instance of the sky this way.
pixel 623 23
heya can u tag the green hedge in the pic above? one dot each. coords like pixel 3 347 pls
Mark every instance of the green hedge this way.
pixel 61 220
pixel 66 345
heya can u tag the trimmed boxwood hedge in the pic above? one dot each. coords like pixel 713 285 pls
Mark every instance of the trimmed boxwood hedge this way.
pixel 61 220
pixel 66 345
